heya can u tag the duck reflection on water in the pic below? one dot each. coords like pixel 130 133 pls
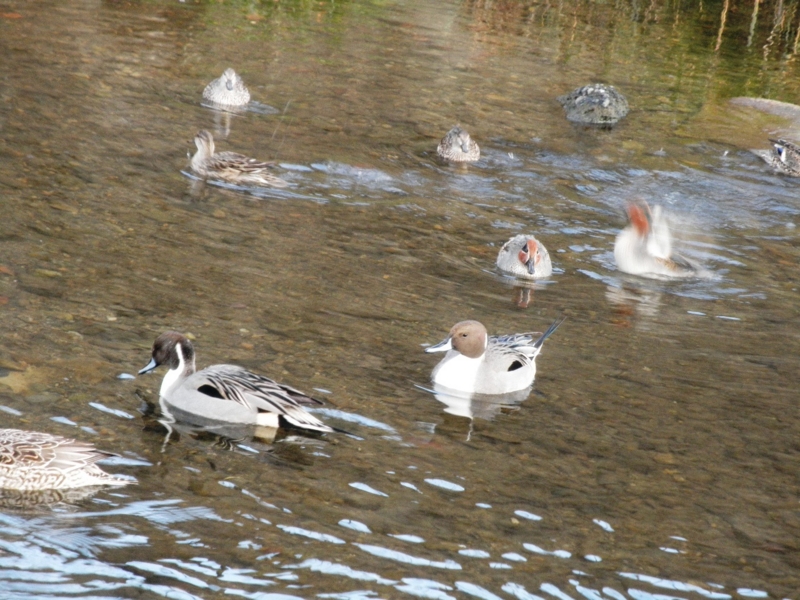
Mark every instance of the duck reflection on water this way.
pixel 634 301
pixel 32 499
pixel 479 406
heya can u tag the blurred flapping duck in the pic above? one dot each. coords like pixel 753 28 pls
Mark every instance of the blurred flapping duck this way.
pixel 644 247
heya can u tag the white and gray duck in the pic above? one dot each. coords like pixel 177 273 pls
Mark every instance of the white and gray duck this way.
pixel 477 363
pixel 226 393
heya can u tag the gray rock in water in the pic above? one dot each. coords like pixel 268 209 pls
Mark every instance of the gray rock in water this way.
pixel 594 104
pixel 773 107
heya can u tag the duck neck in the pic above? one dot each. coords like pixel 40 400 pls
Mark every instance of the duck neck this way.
pixel 199 158
pixel 177 374
pixel 205 150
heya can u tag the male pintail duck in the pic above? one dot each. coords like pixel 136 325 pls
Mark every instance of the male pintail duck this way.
pixel 644 247
pixel 784 157
pixel 526 257
pixel 230 166
pixel 226 393
pixel 477 363
pixel 595 104
pixel 31 461
pixel 458 147
pixel 228 90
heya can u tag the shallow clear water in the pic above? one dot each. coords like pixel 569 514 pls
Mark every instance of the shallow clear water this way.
pixel 657 456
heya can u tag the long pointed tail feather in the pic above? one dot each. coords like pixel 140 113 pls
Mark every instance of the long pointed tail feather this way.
pixel 538 343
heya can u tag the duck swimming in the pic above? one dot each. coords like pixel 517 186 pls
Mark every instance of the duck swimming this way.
pixel 784 157
pixel 226 393
pixel 457 146
pixel 230 166
pixel 30 460
pixel 644 247
pixel 595 104
pixel 477 363
pixel 525 257
pixel 227 90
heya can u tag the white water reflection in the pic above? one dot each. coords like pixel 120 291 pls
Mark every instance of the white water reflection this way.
pixel 48 560
pixel 368 489
pixel 537 550
pixel 527 515
pixel 604 525
pixel 677 586
pixel 339 570
pixel 445 485
pixel 411 539
pixel 314 535
pixel 402 557
pixel 355 525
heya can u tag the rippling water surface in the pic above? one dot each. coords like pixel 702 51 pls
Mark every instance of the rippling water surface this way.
pixel 657 457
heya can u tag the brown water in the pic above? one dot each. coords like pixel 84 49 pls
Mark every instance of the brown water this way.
pixel 660 447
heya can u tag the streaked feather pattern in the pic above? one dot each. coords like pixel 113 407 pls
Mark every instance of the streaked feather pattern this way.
pixel 260 393
pixel 31 460
pixel 226 393
pixel 230 166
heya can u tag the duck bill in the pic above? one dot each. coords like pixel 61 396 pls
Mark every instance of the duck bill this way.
pixel 529 256
pixel 440 347
pixel 150 366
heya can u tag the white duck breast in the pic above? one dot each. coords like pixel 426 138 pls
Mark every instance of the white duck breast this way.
pixel 476 363
pixel 227 90
pixel 226 393
pixel 525 257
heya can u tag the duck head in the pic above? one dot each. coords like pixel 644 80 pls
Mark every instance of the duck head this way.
pixel 467 337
